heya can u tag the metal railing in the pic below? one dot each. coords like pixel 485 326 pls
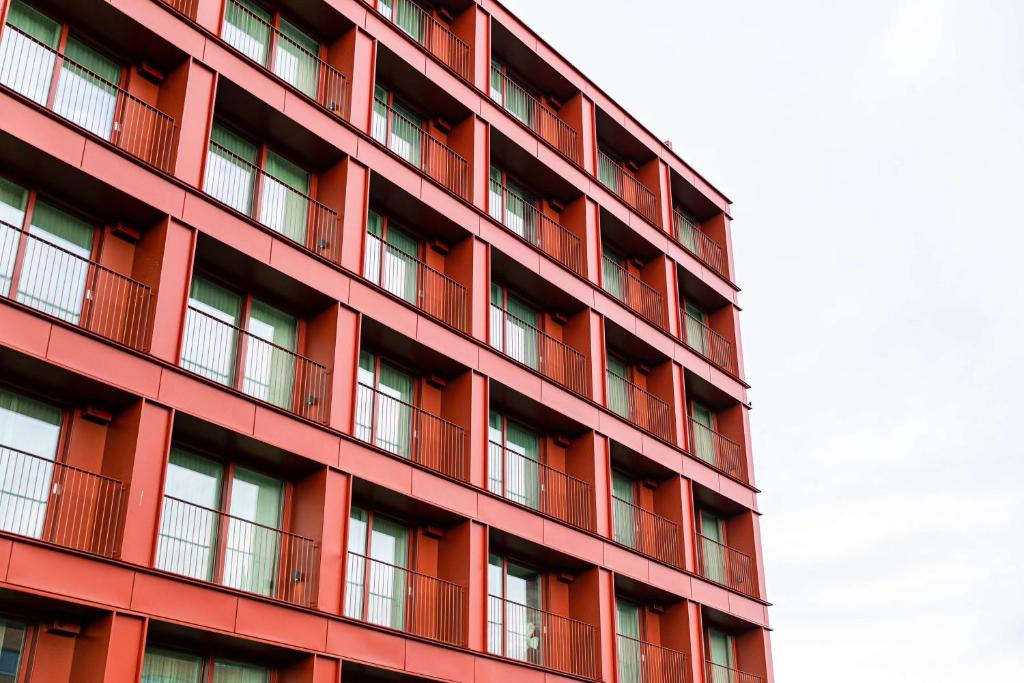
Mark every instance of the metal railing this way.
pixel 697 242
pixel 48 78
pixel 642 662
pixel 626 186
pixel 410 432
pixel 186 7
pixel 724 565
pixel 411 279
pixel 60 504
pixel 428 32
pixel 708 343
pixel 639 296
pixel 402 599
pixel 640 407
pixel 410 141
pixel 213 546
pixel 716 673
pixel 645 532
pixel 66 286
pixel 250 190
pixel 524 219
pixel 285 58
pixel 528 634
pixel 538 486
pixel 719 451
pixel 537 116
pixel 231 356
pixel 522 342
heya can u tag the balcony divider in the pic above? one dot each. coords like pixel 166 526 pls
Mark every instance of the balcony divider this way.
pixel 412 20
pixel 48 78
pixel 628 188
pixel 639 296
pixel 724 565
pixel 524 343
pixel 642 662
pixel 646 532
pixel 719 451
pixel 526 221
pixel 528 634
pixel 688 233
pixel 538 486
pixel 716 673
pixel 714 347
pixel 403 599
pixel 534 114
pixel 640 407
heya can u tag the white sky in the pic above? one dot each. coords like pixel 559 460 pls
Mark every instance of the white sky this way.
pixel 872 149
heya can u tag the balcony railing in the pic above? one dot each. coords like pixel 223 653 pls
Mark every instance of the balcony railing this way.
pixel 626 186
pixel 726 566
pixel 716 673
pixel 525 220
pixel 719 451
pixel 708 343
pixel 524 343
pixel 640 407
pixel 231 356
pixel 410 432
pixel 402 599
pixel 645 532
pixel 48 78
pixel 538 117
pixel 411 279
pixel 186 7
pixel 428 32
pixel 696 241
pixel 213 546
pixel 293 63
pixel 528 634
pixel 59 504
pixel 639 296
pixel 407 139
pixel 62 284
pixel 641 662
pixel 248 189
pixel 538 486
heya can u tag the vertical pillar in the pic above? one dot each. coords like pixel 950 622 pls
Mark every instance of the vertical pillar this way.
pixel 187 95
pixel 110 649
pixel 463 561
pixel 163 261
pixel 470 138
pixel 587 459
pixel 464 402
pixel 719 229
pixel 580 113
pixel 473 26
pixel 583 333
pixel 320 511
pixel 689 526
pixel 347 187
pixel 582 219
pixel 660 274
pixel 354 55
pixel 696 638
pixel 333 341
pixel 467 264
pixel 592 601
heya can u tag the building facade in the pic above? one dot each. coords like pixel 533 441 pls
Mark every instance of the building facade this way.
pixel 358 340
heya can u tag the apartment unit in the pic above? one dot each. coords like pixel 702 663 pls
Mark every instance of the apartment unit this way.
pixel 360 340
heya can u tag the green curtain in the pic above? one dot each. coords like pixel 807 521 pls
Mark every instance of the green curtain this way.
pixel 26 426
pixel 618 386
pixel 296 58
pixel 210 339
pixel 284 203
pixel 497 316
pixel 703 434
pixel 406 137
pixel 520 212
pixel 400 267
pixel 612 276
pixel 517 102
pixel 389 547
pixel 712 530
pixel 366 383
pixel 409 18
pixel 374 246
pixel 521 333
pixel 523 619
pixel 232 672
pixel 12 639
pixel 87 89
pixel 252 556
pixel 522 468
pixel 188 526
pixel 12 215
pixel 497 81
pixel 608 172
pixel 622 502
pixel 394 412
pixel 247 29
pixel 630 669
pixel 686 230
pixel 270 370
pixel 379 122
pixel 721 654
pixel 167 666
pixel 56 264
pixel 495 453
pixel 496 206
pixel 28 55
pixel 231 169
pixel 355 574
pixel 696 329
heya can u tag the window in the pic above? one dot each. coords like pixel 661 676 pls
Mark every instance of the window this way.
pixel 687 230
pixel 703 427
pixel 609 172
pixel 514 617
pixel 721 648
pixel 391 258
pixel 197 492
pixel 613 274
pixel 623 510
pixel 384 405
pixel 29 436
pixel 170 666
pixel 510 94
pixel 396 126
pixel 513 206
pixel 378 579
pixel 618 386
pixel 12 640
pixel 514 327
pixel 628 618
pixel 406 15
pixel 513 470
pixel 696 329
pixel 712 530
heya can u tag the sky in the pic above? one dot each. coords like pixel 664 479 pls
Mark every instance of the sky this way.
pixel 873 153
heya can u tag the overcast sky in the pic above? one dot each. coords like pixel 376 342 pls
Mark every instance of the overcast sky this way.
pixel 873 150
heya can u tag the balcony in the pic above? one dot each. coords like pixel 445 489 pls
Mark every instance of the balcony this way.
pixel 60 504
pixel 428 32
pixel 86 99
pixel 528 634
pixel 627 187
pixel 721 452
pixel 412 143
pixel 535 115
pixel 213 546
pixel 402 599
pixel 714 347
pixel 636 294
pixel 410 432
pixel 642 408
pixel 246 362
pixel 251 191
pixel 687 232
pixel 412 280
pixel 525 220
pixel 716 673
pixel 645 532
pixel 725 566
pixel 66 286
pixel 186 7
pixel 525 481
pixel 525 344
pixel 641 662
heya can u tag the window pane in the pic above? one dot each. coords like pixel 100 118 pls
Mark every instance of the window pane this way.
pixel 521 332
pixel 409 18
pixel 374 246
pixel 366 396
pixel 56 265
pixel 87 92
pixel 497 89
pixel 496 453
pixel 389 547
pixel 269 360
pixel 379 124
pixel 284 206
pixel 618 386
pixel 406 134
pixel 252 555
pixel 394 411
pixel 399 270
pixel 188 526
pixel 247 29
pixel 27 54
pixel 230 169
pixel 12 215
pixel 608 172
pixel 29 433
pixel 165 666
pixel 356 569
pixel 210 331
pixel 622 509
pixel 296 58
pixel 522 468
pixel 230 672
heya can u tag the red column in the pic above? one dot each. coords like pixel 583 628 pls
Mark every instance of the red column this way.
pixel 187 96
pixel 348 189
pixel 163 261
pixel 312 669
pixel 587 459
pixel 584 333
pixel 334 342
pixel 471 140
pixel 354 54
pixel 473 26
pixel 689 529
pixel 696 651
pixel 320 511
pixel 579 112
pixel 592 600
pixel 581 218
pixel 464 402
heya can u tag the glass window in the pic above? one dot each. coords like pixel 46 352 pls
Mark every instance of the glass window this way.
pixel 87 89
pixel 284 203
pixel 712 529
pixel 406 15
pixel 253 549
pixel 188 527
pixel 519 449
pixel 295 58
pixel 29 434
pixel 231 169
pixel 270 355
pixel 210 338
pixel 28 52
pixel 618 386
pixel 384 417
pixel 232 672
pixel 624 513
pixel 247 29
pixel 379 122
pixel 721 651
pixel 520 214
pixel 608 172
pixel 630 656
pixel 355 579
pixel 56 263
pixel 12 640
pixel 377 587
pixel 13 199
pixel 496 199
pixel 391 259
pixel 514 327
pixel 696 329
pixel 703 426
pixel 398 127
pixel 612 275
pixel 523 618
pixel 167 666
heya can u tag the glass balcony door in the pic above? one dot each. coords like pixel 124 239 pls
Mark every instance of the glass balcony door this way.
pixel 391 257
pixel 696 329
pixel 397 127
pixel 721 651
pixel 211 338
pixel 519 478
pixel 29 434
pixel 270 355
pixel 623 490
pixel 704 434
pixel 712 528
pixel 618 391
pixel 189 526
pixel 252 551
pixel 13 202
pixel 612 276
pixel 247 28
pixel 515 623
pixel 384 412
pixel 405 14
pixel 514 327
pixel 630 657
pixel 55 266
pixel 377 588
pixel 231 169
pixel 28 55
pixel 168 666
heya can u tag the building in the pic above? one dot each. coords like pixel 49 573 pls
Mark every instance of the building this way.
pixel 355 340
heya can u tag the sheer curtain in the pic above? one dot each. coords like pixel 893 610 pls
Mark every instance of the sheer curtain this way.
pixel 166 666
pixel 12 215
pixel 27 428
pixel 521 335
pixel 696 329
pixel 366 396
pixel 714 554
pixel 56 265
pixel 269 361
pixel 399 268
pixel 211 338
pixel 28 53
pixel 612 276
pixel 704 438
pixel 618 390
pixel 188 526
pixel 379 122
pixel 394 412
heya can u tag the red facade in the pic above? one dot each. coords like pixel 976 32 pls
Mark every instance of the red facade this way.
pixel 358 340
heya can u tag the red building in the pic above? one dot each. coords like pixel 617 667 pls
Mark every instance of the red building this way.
pixel 362 341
